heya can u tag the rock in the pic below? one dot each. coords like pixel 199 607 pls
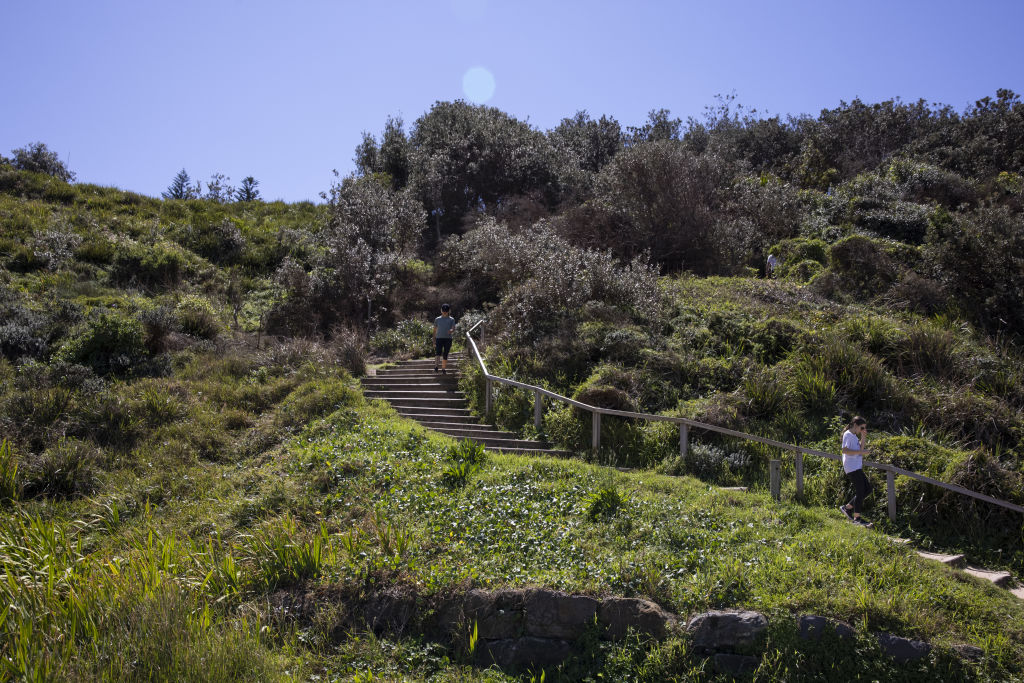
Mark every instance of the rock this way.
pixel 715 630
pixel 902 649
pixel 498 615
pixel 520 654
pixel 389 611
pixel 552 614
pixel 971 653
pixel 727 663
pixel 618 615
pixel 812 627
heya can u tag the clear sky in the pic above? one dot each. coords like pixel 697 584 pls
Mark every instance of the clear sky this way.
pixel 128 92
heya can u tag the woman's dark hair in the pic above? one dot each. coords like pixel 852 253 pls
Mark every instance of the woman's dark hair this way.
pixel 445 308
pixel 858 420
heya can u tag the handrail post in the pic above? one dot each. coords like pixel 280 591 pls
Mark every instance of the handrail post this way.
pixel 595 431
pixel 775 482
pixel 798 463
pixel 487 399
pixel 890 490
pixel 684 440
pixel 538 410
pixel 482 326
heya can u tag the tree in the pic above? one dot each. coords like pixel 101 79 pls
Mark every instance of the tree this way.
pixel 218 189
pixel 658 127
pixel 583 147
pixel 181 187
pixel 248 192
pixel 467 158
pixel 658 197
pixel 38 158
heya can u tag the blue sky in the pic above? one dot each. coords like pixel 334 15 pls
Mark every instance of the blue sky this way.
pixel 129 92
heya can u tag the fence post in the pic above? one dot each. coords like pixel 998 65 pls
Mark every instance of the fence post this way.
pixel 775 468
pixel 595 431
pixel 684 439
pixel 799 466
pixel 538 409
pixel 487 399
pixel 890 490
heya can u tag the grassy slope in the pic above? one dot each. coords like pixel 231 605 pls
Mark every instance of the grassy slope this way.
pixel 231 491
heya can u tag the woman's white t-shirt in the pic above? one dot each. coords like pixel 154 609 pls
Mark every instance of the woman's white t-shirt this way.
pixel 851 463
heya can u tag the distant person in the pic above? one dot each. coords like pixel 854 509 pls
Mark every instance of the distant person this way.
pixel 444 326
pixel 769 268
pixel 854 448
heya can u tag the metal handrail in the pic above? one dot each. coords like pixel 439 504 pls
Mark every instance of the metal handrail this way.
pixel 686 423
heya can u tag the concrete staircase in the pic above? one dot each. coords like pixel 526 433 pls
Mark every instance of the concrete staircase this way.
pixel 433 399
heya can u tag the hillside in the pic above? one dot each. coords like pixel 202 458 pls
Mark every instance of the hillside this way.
pixel 194 487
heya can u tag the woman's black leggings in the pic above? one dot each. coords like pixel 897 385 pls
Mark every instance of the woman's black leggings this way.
pixel 861 488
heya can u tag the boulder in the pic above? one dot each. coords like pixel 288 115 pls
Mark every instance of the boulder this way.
pixel 727 631
pixel 552 614
pixel 618 615
pixel 902 649
pixel 972 653
pixel 521 654
pixel 498 615
pixel 812 627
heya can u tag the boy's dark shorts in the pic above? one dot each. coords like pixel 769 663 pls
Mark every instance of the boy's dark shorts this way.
pixel 444 345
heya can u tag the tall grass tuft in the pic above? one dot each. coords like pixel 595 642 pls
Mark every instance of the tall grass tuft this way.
pixel 8 473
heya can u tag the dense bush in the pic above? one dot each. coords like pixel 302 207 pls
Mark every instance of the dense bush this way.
pixel 976 257
pixel 109 343
pixel 409 338
pixel 152 266
pixel 197 317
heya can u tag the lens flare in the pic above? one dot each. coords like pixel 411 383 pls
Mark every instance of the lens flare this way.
pixel 478 84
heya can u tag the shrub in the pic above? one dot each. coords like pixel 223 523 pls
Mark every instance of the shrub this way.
pixel 348 344
pixel 158 323
pixel 110 420
pixel 197 317
pixel 797 250
pixel 152 266
pixel 862 266
pixel 315 399
pixel 109 344
pixel 67 469
pixel 975 256
pixel 604 502
pixel 409 338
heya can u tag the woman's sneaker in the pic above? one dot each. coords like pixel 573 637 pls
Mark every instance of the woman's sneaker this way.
pixel 846 511
pixel 863 522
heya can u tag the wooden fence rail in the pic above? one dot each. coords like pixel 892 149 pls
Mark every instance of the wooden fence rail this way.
pixel 685 424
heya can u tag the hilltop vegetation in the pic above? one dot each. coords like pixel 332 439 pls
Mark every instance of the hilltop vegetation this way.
pixel 186 449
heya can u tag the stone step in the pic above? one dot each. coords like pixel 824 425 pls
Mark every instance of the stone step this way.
pixel 999 578
pixel 522 444
pixel 433 412
pixel 532 451
pixel 417 372
pixel 409 381
pixel 948 560
pixel 476 433
pixel 740 489
pixel 402 394
pixel 439 422
pixel 428 402
pixel 428 364
pixel 437 418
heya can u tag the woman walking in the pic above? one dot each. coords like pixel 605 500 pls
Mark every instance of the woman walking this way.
pixel 854 448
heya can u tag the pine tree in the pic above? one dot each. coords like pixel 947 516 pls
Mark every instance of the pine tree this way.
pixel 248 192
pixel 181 187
